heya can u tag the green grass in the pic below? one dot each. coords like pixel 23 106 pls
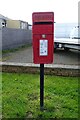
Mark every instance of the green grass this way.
pixel 21 93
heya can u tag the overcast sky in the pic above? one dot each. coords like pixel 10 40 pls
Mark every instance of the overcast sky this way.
pixel 64 10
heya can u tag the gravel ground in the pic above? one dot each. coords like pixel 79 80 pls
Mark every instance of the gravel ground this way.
pixel 71 57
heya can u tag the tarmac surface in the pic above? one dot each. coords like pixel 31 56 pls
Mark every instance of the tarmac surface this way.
pixel 24 55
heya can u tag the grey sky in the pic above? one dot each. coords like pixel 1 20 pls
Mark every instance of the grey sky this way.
pixel 64 10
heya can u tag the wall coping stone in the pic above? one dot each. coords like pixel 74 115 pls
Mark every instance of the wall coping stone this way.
pixel 38 65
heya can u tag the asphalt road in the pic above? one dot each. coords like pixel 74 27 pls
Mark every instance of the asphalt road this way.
pixel 71 57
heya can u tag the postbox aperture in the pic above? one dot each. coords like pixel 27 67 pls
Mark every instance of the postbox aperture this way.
pixel 43 37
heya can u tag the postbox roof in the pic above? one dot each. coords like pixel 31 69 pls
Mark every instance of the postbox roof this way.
pixel 43 16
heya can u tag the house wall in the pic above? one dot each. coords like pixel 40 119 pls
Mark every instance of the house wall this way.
pixel 17 24
pixel 13 24
pixel 2 23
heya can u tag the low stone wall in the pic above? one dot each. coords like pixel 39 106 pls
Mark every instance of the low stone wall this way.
pixel 61 70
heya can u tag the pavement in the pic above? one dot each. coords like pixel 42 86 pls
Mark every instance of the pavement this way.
pixel 25 55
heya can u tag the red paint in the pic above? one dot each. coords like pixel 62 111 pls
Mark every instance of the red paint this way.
pixel 43 29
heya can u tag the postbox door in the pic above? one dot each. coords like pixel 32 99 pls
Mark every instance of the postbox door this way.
pixel 43 49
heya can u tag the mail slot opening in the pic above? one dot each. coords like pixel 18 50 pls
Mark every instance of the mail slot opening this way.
pixel 41 23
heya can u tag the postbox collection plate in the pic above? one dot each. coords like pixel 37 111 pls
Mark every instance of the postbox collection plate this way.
pixel 43 47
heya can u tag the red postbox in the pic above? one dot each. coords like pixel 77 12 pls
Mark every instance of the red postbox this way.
pixel 43 37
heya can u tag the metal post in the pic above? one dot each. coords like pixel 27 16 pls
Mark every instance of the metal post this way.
pixel 41 86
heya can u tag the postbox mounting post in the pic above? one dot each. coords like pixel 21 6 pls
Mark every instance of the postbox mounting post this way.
pixel 41 87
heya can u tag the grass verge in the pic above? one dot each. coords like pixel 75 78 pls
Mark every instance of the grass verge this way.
pixel 21 93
